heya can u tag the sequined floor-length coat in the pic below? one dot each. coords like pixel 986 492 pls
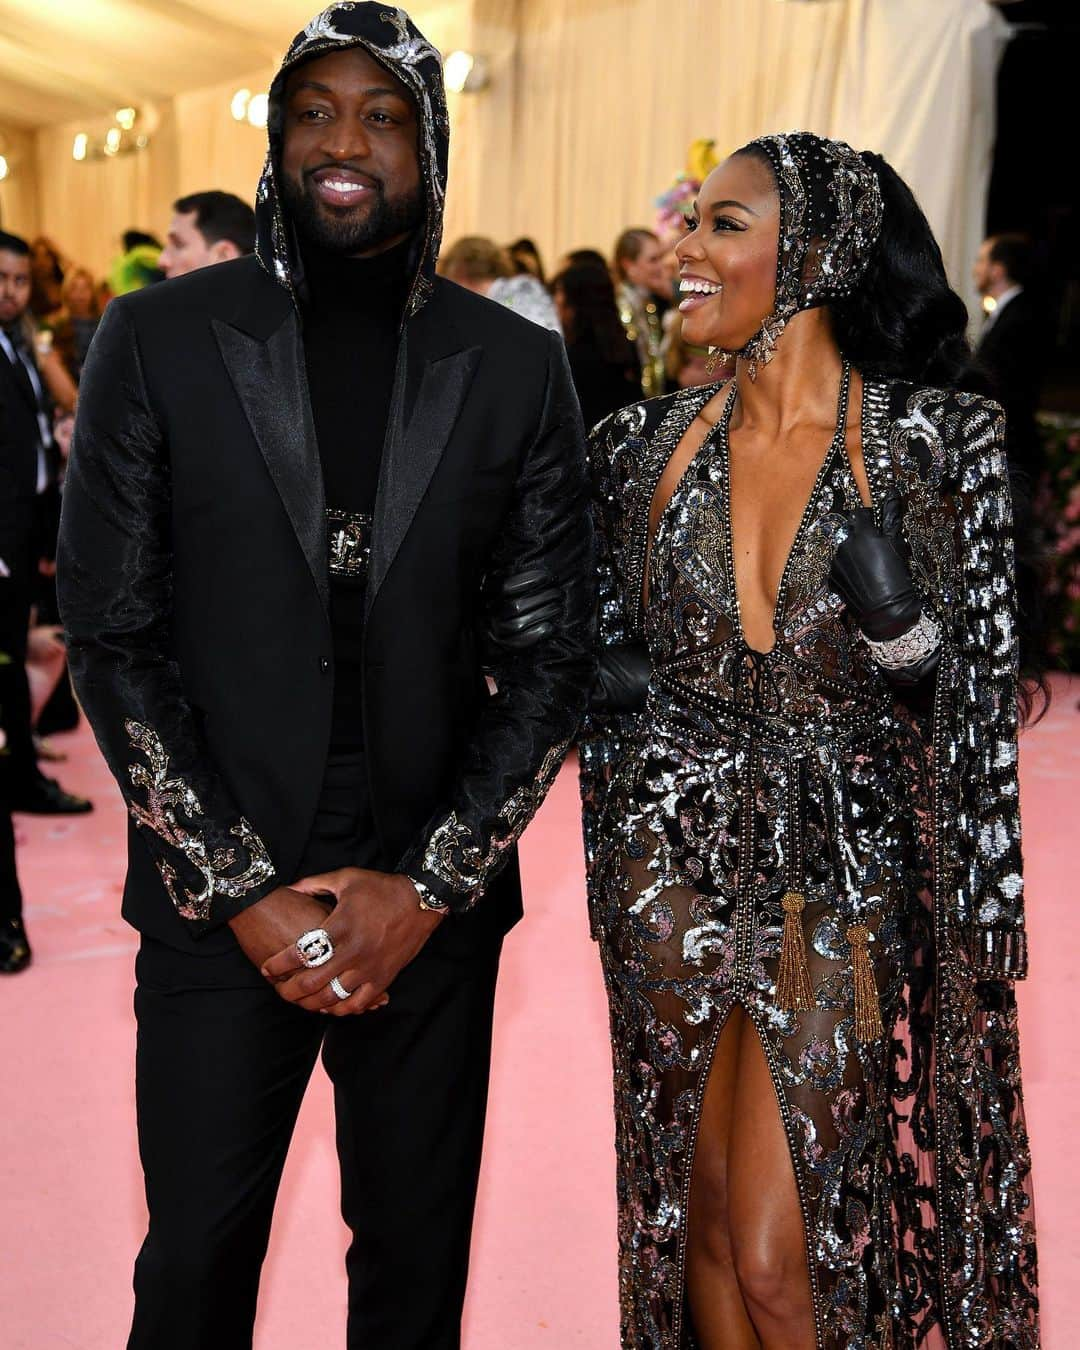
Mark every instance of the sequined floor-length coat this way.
pixel 751 774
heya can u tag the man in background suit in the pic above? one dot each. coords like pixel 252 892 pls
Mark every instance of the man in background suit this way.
pixel 28 473
pixel 1011 346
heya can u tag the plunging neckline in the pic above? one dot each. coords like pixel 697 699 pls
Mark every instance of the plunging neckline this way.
pixel 718 436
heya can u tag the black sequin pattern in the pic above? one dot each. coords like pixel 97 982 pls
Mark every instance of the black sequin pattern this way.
pixel 752 773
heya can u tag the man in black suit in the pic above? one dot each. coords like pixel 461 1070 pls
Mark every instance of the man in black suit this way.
pixel 1012 345
pixel 291 475
pixel 28 462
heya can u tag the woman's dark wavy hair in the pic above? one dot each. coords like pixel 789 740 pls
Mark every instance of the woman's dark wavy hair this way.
pixel 905 322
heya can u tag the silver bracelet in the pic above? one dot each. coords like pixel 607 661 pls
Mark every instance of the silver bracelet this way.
pixel 921 640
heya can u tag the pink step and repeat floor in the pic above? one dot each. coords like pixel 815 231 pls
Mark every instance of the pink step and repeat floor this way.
pixel 71 1207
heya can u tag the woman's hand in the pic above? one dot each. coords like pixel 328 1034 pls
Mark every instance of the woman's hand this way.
pixel 871 576
pixel 622 678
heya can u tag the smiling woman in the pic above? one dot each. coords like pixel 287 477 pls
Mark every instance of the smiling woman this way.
pixel 803 837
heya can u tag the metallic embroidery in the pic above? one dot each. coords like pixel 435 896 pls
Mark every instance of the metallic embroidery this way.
pixel 458 858
pixel 171 811
pixel 751 774
pixel 349 533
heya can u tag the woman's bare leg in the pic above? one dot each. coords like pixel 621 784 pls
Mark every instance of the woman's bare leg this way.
pixel 767 1232
pixel 717 1310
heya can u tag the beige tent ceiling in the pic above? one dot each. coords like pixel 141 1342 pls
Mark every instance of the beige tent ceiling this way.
pixel 65 59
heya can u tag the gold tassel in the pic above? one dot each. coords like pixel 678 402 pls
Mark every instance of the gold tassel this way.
pixel 794 988
pixel 868 1025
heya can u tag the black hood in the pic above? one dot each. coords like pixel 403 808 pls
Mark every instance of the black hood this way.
pixel 389 35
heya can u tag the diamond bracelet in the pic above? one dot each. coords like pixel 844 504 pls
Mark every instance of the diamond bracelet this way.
pixel 921 640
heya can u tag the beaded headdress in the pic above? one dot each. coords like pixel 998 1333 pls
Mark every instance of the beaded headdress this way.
pixel 830 221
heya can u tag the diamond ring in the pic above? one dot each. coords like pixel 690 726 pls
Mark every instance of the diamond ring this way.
pixel 315 947
pixel 339 989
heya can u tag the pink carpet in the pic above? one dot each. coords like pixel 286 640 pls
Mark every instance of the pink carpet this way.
pixel 71 1208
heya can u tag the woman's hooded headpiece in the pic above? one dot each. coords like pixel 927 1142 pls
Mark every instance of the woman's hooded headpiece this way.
pixel 830 223
pixel 388 34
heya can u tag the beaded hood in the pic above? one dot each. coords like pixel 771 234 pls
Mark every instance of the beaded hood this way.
pixel 388 34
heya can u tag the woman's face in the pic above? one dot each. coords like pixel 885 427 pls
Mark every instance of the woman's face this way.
pixel 727 259
pixel 80 295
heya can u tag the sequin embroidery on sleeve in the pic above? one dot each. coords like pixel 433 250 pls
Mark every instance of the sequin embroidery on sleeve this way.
pixel 172 810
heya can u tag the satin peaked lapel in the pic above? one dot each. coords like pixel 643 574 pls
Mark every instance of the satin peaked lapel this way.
pixel 267 370
pixel 415 443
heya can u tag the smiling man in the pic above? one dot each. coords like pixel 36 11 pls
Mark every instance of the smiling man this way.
pixel 291 475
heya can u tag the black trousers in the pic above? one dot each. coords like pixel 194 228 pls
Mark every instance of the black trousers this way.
pixel 18 761
pixel 221 1067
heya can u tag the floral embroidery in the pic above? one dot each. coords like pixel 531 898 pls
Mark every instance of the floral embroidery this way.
pixel 172 811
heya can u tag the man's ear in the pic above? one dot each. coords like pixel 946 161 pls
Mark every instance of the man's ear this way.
pixel 223 251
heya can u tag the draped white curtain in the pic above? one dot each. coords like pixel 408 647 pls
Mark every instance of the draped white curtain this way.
pixel 591 108
pixel 595 102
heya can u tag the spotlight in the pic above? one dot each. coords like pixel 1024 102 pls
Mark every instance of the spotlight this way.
pixel 258 110
pixel 465 72
pixel 79 145
pixel 239 105
pixel 112 140
pixel 125 117
pixel 3 168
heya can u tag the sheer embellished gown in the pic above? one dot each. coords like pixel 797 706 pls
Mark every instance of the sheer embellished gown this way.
pixel 781 818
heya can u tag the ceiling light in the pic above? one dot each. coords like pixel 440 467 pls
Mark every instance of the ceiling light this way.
pixel 79 145
pixel 112 140
pixel 125 118
pixel 465 72
pixel 239 104
pixel 3 168
pixel 258 110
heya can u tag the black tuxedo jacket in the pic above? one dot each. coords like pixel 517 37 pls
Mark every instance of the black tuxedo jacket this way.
pixel 1011 355
pixel 19 436
pixel 194 590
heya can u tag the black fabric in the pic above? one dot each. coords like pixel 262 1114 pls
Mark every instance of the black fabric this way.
pixel 602 386
pixel 352 317
pixel 1010 353
pixel 222 1064
pixel 19 438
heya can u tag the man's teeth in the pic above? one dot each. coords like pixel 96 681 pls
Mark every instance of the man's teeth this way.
pixel 344 185
pixel 692 286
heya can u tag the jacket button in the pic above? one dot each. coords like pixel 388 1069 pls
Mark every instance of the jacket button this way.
pixel 324 664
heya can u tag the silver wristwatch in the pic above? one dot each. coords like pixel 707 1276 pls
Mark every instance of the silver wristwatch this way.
pixel 427 900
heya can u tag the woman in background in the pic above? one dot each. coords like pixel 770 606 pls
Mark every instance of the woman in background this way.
pixel 802 816
pixel 603 361
pixel 74 325
pixel 480 265
pixel 643 291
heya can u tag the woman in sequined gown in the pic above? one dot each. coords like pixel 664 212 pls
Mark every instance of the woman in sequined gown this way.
pixel 804 856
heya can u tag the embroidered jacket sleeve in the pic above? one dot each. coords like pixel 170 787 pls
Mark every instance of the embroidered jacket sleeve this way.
pixel 990 887
pixel 603 735
pixel 528 725
pixel 115 586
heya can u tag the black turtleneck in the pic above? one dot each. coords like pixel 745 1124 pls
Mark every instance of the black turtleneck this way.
pixel 352 321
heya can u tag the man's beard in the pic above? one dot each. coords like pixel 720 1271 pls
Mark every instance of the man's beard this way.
pixel 387 218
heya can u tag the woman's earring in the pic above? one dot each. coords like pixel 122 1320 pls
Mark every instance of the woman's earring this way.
pixel 715 357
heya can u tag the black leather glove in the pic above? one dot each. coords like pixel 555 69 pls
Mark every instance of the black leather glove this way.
pixel 622 679
pixel 870 574
pixel 521 608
